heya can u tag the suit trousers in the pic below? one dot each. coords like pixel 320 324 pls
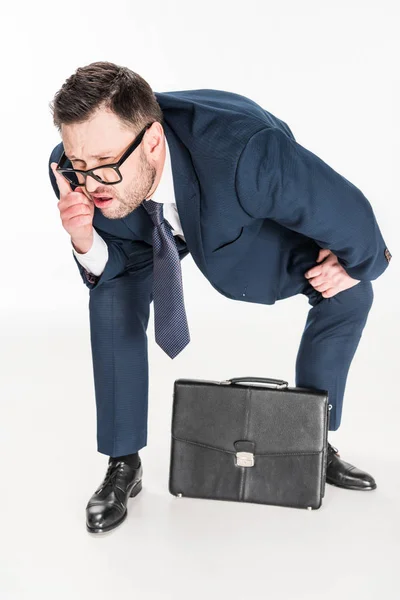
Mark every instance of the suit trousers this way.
pixel 119 314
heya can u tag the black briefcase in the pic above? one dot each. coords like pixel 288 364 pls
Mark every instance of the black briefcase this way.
pixel 261 442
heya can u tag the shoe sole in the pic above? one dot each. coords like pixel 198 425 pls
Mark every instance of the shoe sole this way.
pixel 353 487
pixel 134 492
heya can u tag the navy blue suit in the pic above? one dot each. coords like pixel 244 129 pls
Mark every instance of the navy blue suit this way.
pixel 255 207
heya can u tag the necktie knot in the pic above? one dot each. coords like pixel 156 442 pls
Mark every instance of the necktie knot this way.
pixel 155 210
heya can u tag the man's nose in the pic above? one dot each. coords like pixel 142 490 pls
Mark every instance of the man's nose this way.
pixel 91 184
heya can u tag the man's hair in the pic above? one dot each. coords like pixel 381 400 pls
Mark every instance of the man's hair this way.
pixel 106 85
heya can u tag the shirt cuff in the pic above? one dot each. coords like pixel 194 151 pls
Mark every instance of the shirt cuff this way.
pixel 95 259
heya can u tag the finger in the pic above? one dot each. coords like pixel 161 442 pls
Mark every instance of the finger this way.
pixel 323 253
pixel 319 280
pixel 314 272
pixel 75 210
pixel 322 287
pixel 330 292
pixel 74 203
pixel 62 183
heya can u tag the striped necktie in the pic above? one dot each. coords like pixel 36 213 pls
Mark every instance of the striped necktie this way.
pixel 170 322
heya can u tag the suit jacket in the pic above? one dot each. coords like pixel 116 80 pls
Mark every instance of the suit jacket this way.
pixel 250 199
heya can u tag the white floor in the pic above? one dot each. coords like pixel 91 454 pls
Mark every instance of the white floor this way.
pixel 173 548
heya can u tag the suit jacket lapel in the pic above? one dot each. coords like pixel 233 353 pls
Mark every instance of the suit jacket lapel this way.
pixel 187 195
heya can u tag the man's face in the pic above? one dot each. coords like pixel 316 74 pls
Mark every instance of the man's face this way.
pixel 104 135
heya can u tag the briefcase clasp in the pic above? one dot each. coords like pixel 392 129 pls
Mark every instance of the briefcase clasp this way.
pixel 245 459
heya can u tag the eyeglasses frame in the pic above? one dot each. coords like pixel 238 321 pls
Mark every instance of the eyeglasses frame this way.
pixel 114 166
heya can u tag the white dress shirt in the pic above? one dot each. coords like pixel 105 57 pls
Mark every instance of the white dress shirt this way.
pixel 95 259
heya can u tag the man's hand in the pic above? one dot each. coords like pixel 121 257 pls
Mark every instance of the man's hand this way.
pixel 329 277
pixel 76 212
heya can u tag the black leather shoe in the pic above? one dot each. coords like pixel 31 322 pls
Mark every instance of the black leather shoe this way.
pixel 107 507
pixel 343 474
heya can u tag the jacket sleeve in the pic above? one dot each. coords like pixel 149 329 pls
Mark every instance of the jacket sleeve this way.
pixel 120 251
pixel 279 179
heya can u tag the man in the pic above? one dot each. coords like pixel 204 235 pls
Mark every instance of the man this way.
pixel 145 178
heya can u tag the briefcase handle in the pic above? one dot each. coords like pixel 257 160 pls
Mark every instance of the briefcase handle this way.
pixel 277 383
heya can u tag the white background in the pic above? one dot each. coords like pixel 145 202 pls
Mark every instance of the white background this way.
pixel 331 71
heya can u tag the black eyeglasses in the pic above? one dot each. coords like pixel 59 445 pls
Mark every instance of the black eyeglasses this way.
pixel 110 173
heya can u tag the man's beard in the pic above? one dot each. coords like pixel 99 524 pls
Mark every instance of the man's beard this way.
pixel 134 195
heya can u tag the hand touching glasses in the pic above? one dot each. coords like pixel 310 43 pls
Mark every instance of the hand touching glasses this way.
pixel 76 212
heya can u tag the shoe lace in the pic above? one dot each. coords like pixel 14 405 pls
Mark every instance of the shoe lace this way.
pixel 114 468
